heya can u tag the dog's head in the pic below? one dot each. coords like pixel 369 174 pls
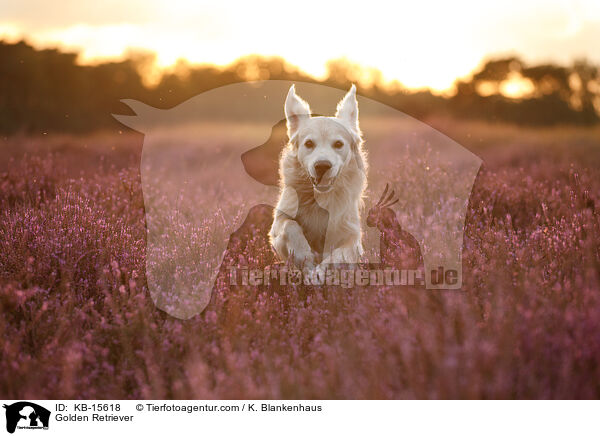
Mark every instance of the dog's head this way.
pixel 324 145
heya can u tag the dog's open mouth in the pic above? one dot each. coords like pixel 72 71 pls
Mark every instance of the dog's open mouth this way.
pixel 322 186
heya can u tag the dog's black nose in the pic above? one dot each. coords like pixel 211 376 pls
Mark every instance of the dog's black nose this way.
pixel 321 167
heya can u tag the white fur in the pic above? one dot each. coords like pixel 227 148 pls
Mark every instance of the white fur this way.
pixel 298 221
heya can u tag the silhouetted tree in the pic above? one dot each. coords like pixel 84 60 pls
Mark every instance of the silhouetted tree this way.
pixel 43 90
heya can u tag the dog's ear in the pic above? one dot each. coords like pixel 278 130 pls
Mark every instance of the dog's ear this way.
pixel 347 113
pixel 296 110
pixel 347 110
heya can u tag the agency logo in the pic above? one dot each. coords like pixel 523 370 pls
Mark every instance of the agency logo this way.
pixel 24 415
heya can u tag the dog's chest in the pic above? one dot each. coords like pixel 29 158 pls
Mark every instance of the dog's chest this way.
pixel 314 220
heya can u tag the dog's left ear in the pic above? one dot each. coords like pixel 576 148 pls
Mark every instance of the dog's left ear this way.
pixel 347 113
pixel 347 110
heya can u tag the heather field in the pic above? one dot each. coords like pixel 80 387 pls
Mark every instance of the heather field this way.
pixel 78 321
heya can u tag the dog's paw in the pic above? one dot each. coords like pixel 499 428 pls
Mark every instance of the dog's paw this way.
pixel 349 255
pixel 316 275
pixel 304 259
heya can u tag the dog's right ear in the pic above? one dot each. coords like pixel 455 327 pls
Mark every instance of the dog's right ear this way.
pixel 296 110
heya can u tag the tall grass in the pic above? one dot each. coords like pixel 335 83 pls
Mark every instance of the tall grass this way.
pixel 77 321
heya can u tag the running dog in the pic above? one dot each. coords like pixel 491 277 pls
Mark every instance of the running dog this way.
pixel 322 173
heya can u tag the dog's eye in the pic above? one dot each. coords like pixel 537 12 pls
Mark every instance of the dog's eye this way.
pixel 309 144
pixel 338 144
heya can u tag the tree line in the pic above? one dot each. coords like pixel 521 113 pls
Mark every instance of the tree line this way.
pixel 48 90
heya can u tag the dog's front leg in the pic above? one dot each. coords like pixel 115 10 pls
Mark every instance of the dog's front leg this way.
pixel 348 253
pixel 289 242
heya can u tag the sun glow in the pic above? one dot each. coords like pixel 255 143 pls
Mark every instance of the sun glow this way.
pixel 419 44
pixel 516 86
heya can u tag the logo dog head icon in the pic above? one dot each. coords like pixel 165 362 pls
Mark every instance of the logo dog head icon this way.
pixel 27 415
pixel 210 160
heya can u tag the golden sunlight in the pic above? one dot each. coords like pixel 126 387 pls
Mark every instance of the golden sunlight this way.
pixel 420 44
pixel 516 86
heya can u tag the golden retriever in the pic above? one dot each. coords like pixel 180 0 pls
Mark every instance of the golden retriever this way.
pixel 323 177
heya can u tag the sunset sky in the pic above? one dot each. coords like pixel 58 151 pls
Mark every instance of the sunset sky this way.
pixel 419 43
